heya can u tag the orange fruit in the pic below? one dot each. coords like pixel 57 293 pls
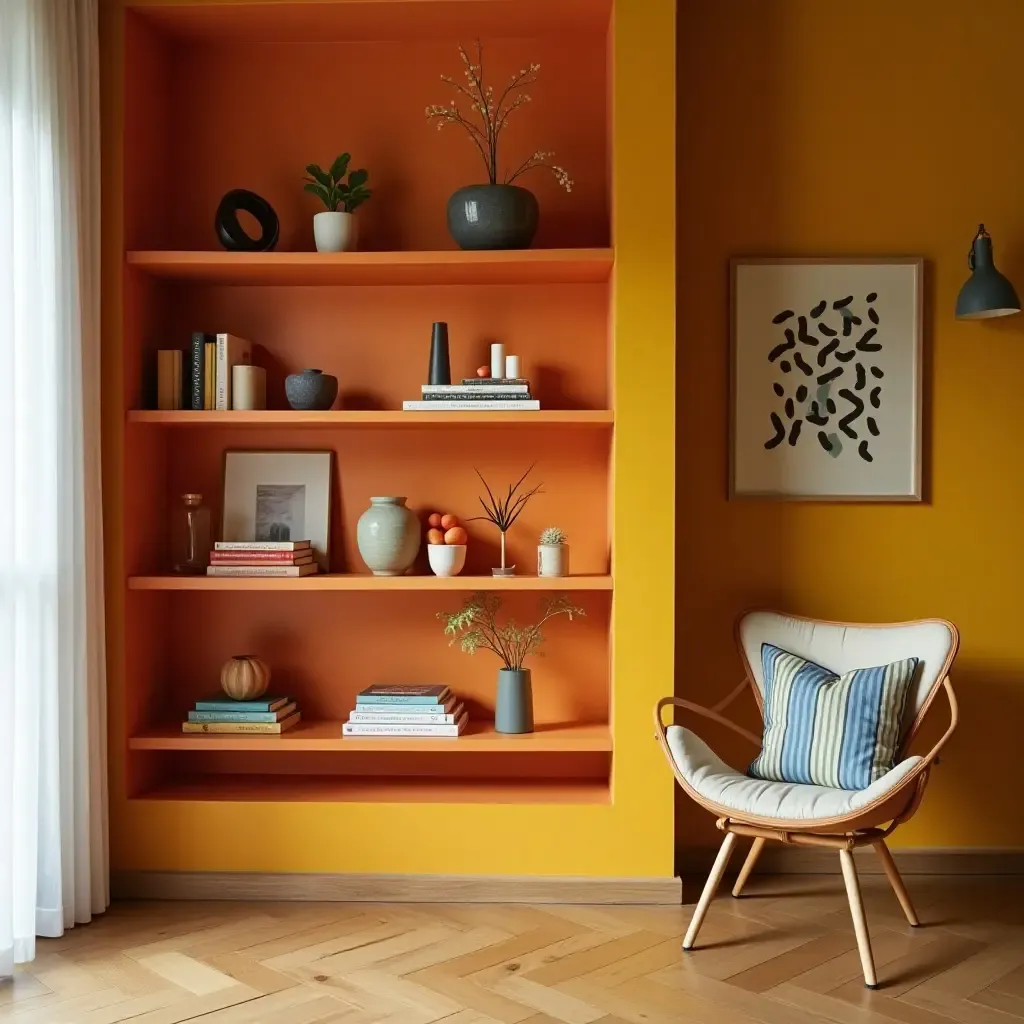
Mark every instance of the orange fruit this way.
pixel 435 537
pixel 456 535
pixel 447 522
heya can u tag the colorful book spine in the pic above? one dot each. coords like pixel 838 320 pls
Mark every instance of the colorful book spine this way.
pixel 261 570
pixel 261 557
pixel 168 378
pixel 241 716
pixel 472 396
pixel 209 374
pixel 365 729
pixel 446 707
pixel 386 699
pixel 262 545
pixel 475 389
pixel 271 728
pixel 482 382
pixel 273 704
pixel 531 405
pixel 198 378
pixel 412 717
pixel 231 351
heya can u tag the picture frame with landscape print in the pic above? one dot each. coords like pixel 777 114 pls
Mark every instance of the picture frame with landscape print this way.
pixel 279 496
pixel 826 379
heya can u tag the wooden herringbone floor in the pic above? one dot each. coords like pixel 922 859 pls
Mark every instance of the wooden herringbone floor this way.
pixel 784 954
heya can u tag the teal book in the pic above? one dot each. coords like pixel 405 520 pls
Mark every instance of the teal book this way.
pixel 242 716
pixel 403 695
pixel 220 704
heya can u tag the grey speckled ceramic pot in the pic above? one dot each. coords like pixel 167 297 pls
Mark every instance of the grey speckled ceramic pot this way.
pixel 388 537
pixel 311 389
pixel 493 217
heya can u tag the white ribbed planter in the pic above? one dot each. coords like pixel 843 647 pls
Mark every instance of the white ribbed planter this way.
pixel 334 231
pixel 552 559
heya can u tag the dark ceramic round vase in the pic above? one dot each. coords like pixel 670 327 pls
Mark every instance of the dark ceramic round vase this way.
pixel 311 390
pixel 493 217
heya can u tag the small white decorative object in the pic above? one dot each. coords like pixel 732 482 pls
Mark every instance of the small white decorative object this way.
pixel 497 360
pixel 248 387
pixel 334 231
pixel 446 559
pixel 511 367
pixel 553 553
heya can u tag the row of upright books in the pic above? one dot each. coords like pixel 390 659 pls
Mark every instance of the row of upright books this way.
pixel 406 711
pixel 200 378
pixel 280 558
pixel 270 715
pixel 497 394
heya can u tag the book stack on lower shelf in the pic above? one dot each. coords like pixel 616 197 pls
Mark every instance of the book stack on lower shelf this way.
pixel 281 558
pixel 268 715
pixel 476 394
pixel 406 711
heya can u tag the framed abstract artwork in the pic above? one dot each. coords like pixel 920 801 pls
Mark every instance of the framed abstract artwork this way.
pixel 826 379
pixel 279 496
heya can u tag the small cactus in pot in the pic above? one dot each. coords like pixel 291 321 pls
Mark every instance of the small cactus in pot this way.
pixel 553 553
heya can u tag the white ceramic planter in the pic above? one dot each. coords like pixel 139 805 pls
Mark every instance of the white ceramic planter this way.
pixel 552 559
pixel 446 559
pixel 334 231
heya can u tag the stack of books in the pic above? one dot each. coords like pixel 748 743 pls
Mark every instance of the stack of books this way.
pixel 262 558
pixel 406 711
pixel 224 715
pixel 213 357
pixel 502 394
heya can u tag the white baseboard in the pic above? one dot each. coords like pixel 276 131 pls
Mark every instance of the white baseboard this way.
pixel 241 885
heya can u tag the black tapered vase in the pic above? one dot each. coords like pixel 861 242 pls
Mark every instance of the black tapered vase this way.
pixel 440 366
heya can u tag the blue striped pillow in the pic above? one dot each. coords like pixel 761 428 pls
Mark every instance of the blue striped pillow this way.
pixel 826 729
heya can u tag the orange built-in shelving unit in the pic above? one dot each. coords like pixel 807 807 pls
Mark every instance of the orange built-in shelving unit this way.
pixel 202 97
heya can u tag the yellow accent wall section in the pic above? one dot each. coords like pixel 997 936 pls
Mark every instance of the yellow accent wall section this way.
pixel 632 837
pixel 860 129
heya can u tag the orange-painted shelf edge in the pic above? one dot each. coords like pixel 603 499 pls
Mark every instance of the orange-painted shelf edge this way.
pixel 364 581
pixel 325 735
pixel 601 418
pixel 511 266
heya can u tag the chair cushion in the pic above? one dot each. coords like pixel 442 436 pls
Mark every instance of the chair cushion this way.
pixel 824 729
pixel 707 774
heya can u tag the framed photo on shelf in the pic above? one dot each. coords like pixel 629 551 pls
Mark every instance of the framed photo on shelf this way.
pixel 279 496
pixel 826 379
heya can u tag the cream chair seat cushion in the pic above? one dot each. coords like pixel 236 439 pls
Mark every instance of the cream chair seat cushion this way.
pixel 707 774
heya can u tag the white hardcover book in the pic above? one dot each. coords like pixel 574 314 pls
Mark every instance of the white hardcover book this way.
pixel 411 731
pixel 387 716
pixel 483 389
pixel 440 405
pixel 261 545
pixel 261 570
pixel 231 351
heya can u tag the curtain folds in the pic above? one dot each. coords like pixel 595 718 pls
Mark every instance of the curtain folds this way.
pixel 53 799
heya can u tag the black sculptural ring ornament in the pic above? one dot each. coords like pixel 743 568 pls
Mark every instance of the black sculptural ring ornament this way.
pixel 230 232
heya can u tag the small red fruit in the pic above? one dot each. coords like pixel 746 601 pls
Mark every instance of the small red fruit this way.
pixel 435 537
pixel 434 519
pixel 448 521
pixel 483 371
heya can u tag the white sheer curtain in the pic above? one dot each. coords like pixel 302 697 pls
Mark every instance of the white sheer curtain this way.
pixel 53 803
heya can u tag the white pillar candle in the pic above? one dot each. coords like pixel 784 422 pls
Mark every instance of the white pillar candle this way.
pixel 511 367
pixel 497 360
pixel 248 387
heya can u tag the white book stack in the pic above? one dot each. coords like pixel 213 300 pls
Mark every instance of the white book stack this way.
pixel 475 394
pixel 414 711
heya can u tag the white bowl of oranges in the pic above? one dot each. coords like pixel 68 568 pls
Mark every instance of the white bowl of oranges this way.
pixel 446 544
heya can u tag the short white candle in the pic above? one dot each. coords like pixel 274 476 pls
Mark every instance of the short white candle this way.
pixel 248 387
pixel 497 360
pixel 511 367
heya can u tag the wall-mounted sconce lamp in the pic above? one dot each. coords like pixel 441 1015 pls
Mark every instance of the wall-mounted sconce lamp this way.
pixel 986 293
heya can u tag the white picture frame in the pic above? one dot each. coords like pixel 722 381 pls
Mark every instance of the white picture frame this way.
pixel 279 495
pixel 826 384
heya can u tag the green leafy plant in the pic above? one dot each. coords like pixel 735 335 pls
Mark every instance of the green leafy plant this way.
pixel 332 189
pixel 553 535
pixel 475 627
pixel 505 511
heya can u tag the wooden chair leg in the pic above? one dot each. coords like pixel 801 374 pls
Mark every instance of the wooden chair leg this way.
pixel 892 873
pixel 721 863
pixel 748 866
pixel 860 924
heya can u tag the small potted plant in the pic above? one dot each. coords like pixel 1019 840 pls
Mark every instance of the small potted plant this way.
pixel 334 229
pixel 475 626
pixel 504 512
pixel 553 553
pixel 498 214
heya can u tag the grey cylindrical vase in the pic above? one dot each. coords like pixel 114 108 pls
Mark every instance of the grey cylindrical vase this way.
pixel 388 537
pixel 513 710
pixel 493 217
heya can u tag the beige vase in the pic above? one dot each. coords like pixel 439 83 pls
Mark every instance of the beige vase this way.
pixel 245 677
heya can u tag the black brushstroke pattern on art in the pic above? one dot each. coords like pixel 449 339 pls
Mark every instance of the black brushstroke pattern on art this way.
pixel 780 433
pixel 858 408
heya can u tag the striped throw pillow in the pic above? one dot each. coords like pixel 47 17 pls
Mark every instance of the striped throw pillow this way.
pixel 826 729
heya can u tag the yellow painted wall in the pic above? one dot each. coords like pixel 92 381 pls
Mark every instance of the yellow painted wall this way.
pixel 631 837
pixel 880 127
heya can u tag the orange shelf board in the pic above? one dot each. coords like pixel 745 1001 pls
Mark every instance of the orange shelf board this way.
pixel 513 266
pixel 362 418
pixel 479 737
pixel 364 581
pixel 288 788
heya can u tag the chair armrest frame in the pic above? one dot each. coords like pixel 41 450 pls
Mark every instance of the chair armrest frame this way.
pixel 704 712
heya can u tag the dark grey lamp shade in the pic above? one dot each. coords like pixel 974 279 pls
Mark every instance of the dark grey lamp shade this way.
pixel 986 293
